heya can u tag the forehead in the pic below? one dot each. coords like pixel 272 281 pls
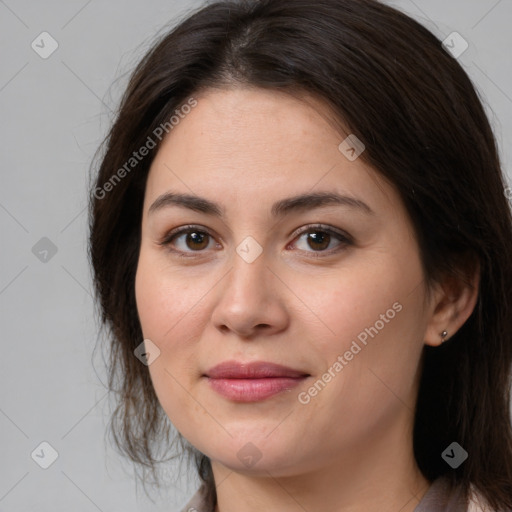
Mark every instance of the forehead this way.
pixel 238 144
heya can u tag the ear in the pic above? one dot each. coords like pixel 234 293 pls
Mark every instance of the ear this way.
pixel 452 302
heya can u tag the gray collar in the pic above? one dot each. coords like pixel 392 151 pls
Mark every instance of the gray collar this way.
pixel 440 497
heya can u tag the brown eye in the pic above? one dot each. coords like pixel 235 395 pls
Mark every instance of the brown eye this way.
pixel 318 240
pixel 187 240
pixel 196 240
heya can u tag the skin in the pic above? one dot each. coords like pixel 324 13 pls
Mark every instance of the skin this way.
pixel 350 447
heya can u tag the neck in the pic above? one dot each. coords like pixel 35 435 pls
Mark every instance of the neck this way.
pixel 379 475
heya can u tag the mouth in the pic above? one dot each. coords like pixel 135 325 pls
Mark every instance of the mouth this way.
pixel 252 382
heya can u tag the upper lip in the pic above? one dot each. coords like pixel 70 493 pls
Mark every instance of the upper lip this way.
pixel 252 370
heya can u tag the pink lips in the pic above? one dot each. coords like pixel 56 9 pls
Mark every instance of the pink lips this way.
pixel 252 382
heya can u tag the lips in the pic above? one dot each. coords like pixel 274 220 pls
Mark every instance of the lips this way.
pixel 252 382
pixel 255 370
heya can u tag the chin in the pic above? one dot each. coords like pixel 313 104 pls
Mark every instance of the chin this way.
pixel 255 456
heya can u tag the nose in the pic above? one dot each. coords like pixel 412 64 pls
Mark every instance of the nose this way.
pixel 250 300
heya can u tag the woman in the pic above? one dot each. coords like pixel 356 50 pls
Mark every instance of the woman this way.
pixel 301 247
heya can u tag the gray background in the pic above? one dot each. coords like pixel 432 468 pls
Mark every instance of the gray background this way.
pixel 55 112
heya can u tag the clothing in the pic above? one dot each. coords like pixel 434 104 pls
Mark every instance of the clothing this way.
pixel 438 498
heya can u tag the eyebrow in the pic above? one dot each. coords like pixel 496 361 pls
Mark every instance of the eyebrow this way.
pixel 300 202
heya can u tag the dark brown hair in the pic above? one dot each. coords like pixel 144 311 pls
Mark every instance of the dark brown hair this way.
pixel 391 83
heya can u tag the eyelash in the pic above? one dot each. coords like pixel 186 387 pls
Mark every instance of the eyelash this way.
pixel 344 239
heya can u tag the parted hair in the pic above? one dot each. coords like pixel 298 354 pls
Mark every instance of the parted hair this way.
pixel 389 81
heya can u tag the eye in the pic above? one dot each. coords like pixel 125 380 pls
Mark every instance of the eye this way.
pixel 188 239
pixel 321 239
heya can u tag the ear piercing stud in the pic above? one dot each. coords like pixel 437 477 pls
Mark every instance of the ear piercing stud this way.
pixel 443 336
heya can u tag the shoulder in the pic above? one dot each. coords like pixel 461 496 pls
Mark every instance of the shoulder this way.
pixel 477 503
pixel 196 503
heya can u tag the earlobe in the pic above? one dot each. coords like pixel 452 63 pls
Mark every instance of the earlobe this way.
pixel 453 302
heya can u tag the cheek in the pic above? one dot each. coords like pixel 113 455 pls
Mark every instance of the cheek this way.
pixel 347 303
pixel 376 325
pixel 374 318
pixel 167 301
pixel 171 317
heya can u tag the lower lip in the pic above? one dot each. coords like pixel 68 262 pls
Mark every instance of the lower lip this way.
pixel 253 390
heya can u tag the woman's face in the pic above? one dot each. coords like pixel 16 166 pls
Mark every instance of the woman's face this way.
pixel 330 288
